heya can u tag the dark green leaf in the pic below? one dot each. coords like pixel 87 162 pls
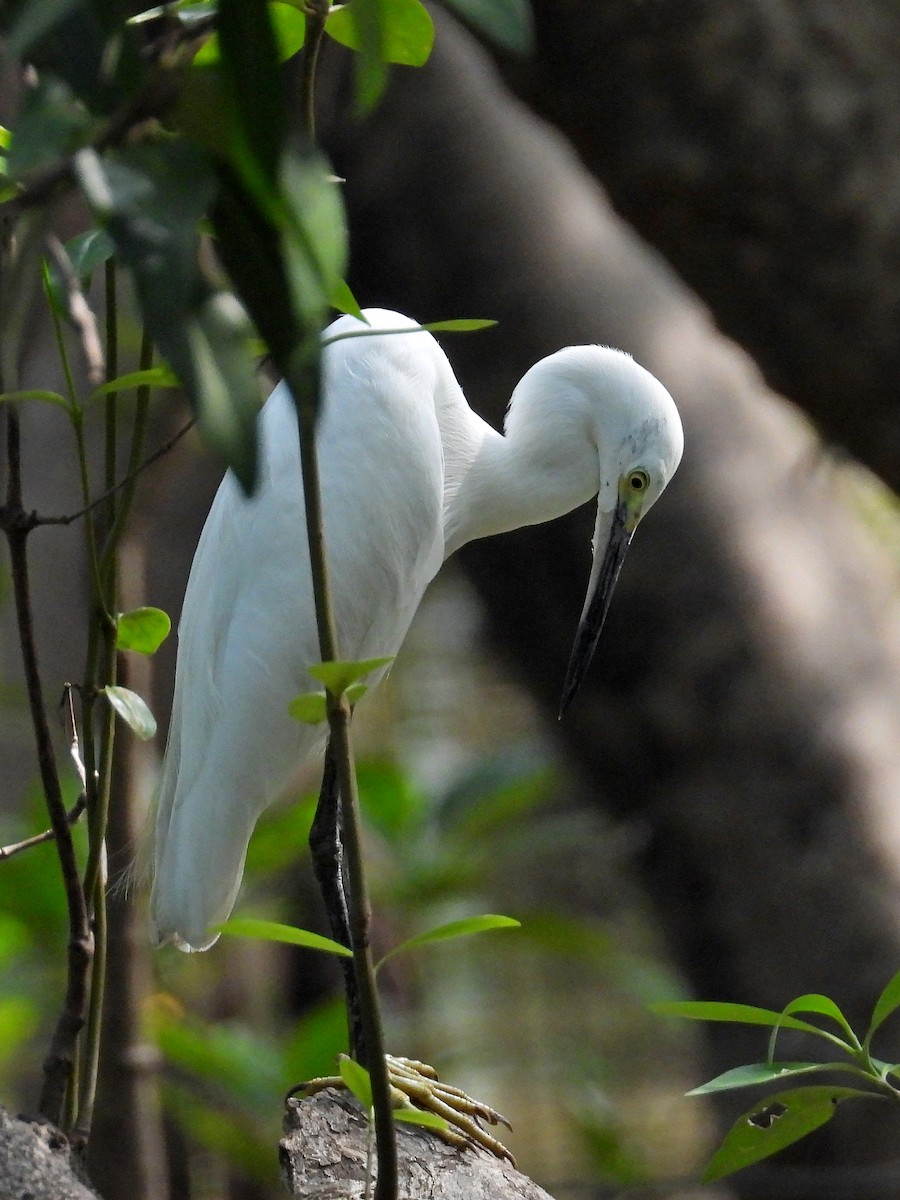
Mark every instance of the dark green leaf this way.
pixel 249 66
pixel 757 1073
pixel 142 629
pixel 507 23
pixel 368 33
pixel 52 125
pixel 272 931
pixel 133 710
pixel 356 1079
pixel 888 1002
pixel 288 26
pixel 151 199
pixel 775 1122
pixel 89 250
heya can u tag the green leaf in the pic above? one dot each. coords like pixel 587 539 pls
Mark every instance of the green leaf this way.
pixel 255 99
pixel 51 126
pixel 35 394
pixel 133 710
pixel 153 377
pixel 142 629
pixel 342 298
pixel 741 1014
pixel 418 1116
pixel 338 676
pixel 288 26
pixel 453 929
pixel 356 1079
pixel 272 931
pixel 368 32
pixel 310 708
pixel 823 1006
pixel 150 199
pixel 757 1073
pixel 406 29
pixel 460 325
pixel 507 23
pixel 775 1122
pixel 887 1003
pixel 89 250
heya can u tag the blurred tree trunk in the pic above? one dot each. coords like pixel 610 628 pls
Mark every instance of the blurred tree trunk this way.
pixel 754 142
pixel 744 712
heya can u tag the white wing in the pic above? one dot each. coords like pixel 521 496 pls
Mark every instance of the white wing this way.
pixel 248 632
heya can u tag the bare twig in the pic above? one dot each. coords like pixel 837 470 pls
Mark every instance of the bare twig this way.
pixel 73 816
pixel 80 313
pixel 157 454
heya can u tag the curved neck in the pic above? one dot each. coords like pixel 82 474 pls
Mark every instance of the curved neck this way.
pixel 533 474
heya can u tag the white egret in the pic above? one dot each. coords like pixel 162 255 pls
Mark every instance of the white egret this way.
pixel 408 475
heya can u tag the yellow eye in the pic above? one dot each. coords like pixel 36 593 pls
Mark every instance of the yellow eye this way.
pixel 639 481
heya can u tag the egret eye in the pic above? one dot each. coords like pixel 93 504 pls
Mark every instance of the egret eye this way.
pixel 639 481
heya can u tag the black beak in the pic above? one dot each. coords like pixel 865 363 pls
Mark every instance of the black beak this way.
pixel 614 535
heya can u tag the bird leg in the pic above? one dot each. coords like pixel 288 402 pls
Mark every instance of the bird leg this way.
pixel 416 1085
pixel 327 849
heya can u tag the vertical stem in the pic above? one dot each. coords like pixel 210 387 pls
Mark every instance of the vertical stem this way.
pixel 58 1065
pixel 316 12
pixel 339 716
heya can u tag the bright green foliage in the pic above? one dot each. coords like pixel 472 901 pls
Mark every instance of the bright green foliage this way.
pixel 132 709
pixel 407 30
pixel 465 927
pixel 338 676
pixel 775 1122
pixel 356 1079
pixel 142 629
pixel 780 1119
pixel 272 931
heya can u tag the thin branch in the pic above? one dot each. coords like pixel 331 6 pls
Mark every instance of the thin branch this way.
pixel 73 816
pixel 80 312
pixel 316 13
pixel 148 462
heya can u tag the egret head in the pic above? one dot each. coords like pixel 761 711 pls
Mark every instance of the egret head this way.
pixel 639 439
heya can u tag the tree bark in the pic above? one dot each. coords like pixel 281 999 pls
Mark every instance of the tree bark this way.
pixel 744 713
pixel 754 142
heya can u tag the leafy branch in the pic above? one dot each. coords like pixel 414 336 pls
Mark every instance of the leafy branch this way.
pixel 784 1117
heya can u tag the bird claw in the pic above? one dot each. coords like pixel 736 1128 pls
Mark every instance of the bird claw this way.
pixel 416 1085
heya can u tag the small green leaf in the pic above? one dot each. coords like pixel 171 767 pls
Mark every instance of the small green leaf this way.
pixel 156 377
pixel 507 23
pixel 272 931
pixel 407 31
pixel 453 929
pixel 742 1014
pixel 887 1003
pixel 133 710
pixel 757 1073
pixel 418 1116
pixel 288 25
pixel 35 394
pixel 89 250
pixel 309 708
pixel 824 1007
pixel 338 676
pixel 142 629
pixel 775 1122
pixel 356 1079
pixel 342 298
pixel 460 325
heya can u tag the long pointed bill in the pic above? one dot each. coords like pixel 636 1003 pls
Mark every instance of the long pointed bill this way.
pixel 612 537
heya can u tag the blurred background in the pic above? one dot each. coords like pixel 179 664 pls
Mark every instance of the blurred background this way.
pixel 714 186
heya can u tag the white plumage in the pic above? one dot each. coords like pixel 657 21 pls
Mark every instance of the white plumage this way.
pixel 408 474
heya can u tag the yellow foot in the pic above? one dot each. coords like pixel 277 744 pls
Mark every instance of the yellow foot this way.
pixel 416 1085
